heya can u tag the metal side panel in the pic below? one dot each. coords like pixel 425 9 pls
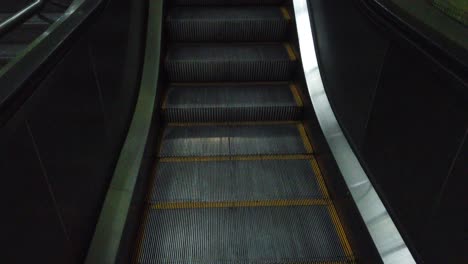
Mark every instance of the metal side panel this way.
pixel 227 23
pixel 115 210
pixel 221 140
pixel 233 102
pixel 235 180
pixel 390 245
pixel 230 62
pixel 299 234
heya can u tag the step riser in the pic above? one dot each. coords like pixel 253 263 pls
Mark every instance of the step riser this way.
pixel 230 71
pixel 227 30
pixel 232 114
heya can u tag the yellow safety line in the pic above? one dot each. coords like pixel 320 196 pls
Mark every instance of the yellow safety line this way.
pixel 319 176
pixel 331 209
pixel 291 53
pixel 252 123
pixel 285 12
pixel 339 228
pixel 230 204
pixel 305 138
pixel 240 158
pixel 296 95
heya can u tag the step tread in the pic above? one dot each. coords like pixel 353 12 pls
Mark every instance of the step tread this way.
pixel 226 13
pixel 215 140
pixel 296 234
pixel 235 180
pixel 228 52
pixel 229 95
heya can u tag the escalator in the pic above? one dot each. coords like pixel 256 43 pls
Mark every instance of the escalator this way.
pixel 236 179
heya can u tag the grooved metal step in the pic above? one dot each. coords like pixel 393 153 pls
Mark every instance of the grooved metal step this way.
pixel 230 62
pixel 228 23
pixel 235 180
pixel 285 234
pixel 29 30
pixel 227 2
pixel 222 140
pixel 232 102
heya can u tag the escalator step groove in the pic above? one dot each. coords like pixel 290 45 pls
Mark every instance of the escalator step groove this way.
pixel 225 140
pixel 226 2
pixel 227 24
pixel 229 62
pixel 235 180
pixel 231 102
pixel 291 234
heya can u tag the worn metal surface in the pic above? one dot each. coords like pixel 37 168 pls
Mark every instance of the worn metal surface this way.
pixel 381 227
pixel 208 140
pixel 231 101
pixel 235 180
pixel 296 234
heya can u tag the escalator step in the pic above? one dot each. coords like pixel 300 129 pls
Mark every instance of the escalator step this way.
pixel 228 23
pixel 235 180
pixel 227 2
pixel 232 102
pixel 222 140
pixel 285 234
pixel 29 30
pixel 230 62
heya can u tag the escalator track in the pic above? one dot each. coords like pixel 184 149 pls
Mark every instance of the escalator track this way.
pixel 236 180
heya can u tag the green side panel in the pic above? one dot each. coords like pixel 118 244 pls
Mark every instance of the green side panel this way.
pixel 111 223
pixel 457 9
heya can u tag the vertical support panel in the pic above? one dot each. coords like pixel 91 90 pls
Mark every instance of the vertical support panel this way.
pixel 415 130
pixel 69 127
pixel 30 224
pixel 351 55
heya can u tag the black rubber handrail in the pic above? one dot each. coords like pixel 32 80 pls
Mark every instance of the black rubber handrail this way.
pixel 19 17
pixel 19 78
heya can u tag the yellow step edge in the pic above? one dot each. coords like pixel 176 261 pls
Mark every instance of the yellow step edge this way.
pixel 285 13
pixel 339 229
pixel 296 95
pixel 331 210
pixel 305 138
pixel 231 204
pixel 290 50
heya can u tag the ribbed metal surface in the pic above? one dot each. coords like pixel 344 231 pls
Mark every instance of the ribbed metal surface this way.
pixel 235 180
pixel 227 2
pixel 222 140
pixel 241 235
pixel 229 62
pixel 230 102
pixel 226 24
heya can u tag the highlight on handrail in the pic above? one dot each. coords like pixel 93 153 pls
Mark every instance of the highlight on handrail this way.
pixel 20 16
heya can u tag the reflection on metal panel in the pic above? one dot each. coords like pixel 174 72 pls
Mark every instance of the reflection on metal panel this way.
pixel 381 227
